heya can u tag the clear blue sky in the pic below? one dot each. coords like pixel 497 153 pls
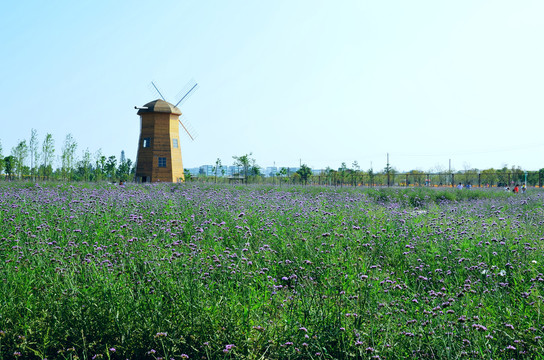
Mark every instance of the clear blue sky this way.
pixel 322 82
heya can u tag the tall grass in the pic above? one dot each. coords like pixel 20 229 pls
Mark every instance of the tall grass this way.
pixel 177 271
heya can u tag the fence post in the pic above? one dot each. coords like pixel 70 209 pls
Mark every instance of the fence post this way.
pixel 479 180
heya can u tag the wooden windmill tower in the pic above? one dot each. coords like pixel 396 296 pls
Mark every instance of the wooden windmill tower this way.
pixel 159 153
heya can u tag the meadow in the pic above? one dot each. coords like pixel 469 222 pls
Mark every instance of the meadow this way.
pixel 248 272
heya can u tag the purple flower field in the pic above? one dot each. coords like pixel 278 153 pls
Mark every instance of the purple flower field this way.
pixel 214 272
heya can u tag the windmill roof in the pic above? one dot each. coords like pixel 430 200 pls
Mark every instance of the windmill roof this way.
pixel 160 106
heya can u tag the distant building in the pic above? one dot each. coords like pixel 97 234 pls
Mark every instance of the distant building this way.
pixel 318 171
pixel 271 171
pixel 205 170
pixel 292 170
pixel 194 171
pixel 231 170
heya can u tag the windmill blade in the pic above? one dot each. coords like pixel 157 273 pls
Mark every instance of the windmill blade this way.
pixel 187 127
pixel 157 90
pixel 187 91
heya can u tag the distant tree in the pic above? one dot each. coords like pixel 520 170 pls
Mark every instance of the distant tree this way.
pixel 1 159
pixel 84 166
pixel 282 173
pixel 19 153
pixel 110 167
pixel 343 171
pixel 304 172
pixel 489 176
pixel 371 176
pixel 255 170
pixel 130 167
pixel 100 163
pixel 355 173
pixel 68 156
pixel 217 167
pixel 331 176
pixel 518 175
pixel 246 163
pixel 532 178
pixel 540 177
pixel 124 167
pixel 48 153
pixel 415 177
pixel 9 165
pixel 34 154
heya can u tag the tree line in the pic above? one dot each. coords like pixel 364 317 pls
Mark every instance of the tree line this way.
pixel 250 172
pixel 40 161
pixel 37 160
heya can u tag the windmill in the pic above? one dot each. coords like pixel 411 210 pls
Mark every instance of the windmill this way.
pixel 159 153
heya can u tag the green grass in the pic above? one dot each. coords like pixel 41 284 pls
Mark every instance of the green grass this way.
pixel 167 271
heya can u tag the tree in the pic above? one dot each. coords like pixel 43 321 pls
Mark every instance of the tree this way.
pixel 48 152
pixel 305 172
pixel 84 167
pixel 489 177
pixel 100 163
pixel 416 177
pixel 124 167
pixel 355 172
pixel 282 173
pixel 68 151
pixel 255 170
pixel 371 176
pixel 19 153
pixel 217 167
pixel 110 167
pixel 540 177
pixel 246 163
pixel 8 163
pixel 387 171
pixel 1 159
pixel 343 171
pixel 34 155
pixel 331 176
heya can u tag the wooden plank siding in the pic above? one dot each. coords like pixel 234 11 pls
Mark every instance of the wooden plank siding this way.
pixel 161 128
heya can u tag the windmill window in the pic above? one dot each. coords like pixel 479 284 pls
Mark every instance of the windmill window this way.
pixel 147 142
pixel 162 162
pixel 175 142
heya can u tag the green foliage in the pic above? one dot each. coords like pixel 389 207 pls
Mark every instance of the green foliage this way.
pixel 305 172
pixel 19 154
pixel 48 153
pixel 68 157
pixel 259 272
pixel 1 159
pixel 9 164
pixel 249 165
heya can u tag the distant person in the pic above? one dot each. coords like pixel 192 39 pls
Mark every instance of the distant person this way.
pixel 460 186
pixel 516 189
pixel 523 189
pixel 506 188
